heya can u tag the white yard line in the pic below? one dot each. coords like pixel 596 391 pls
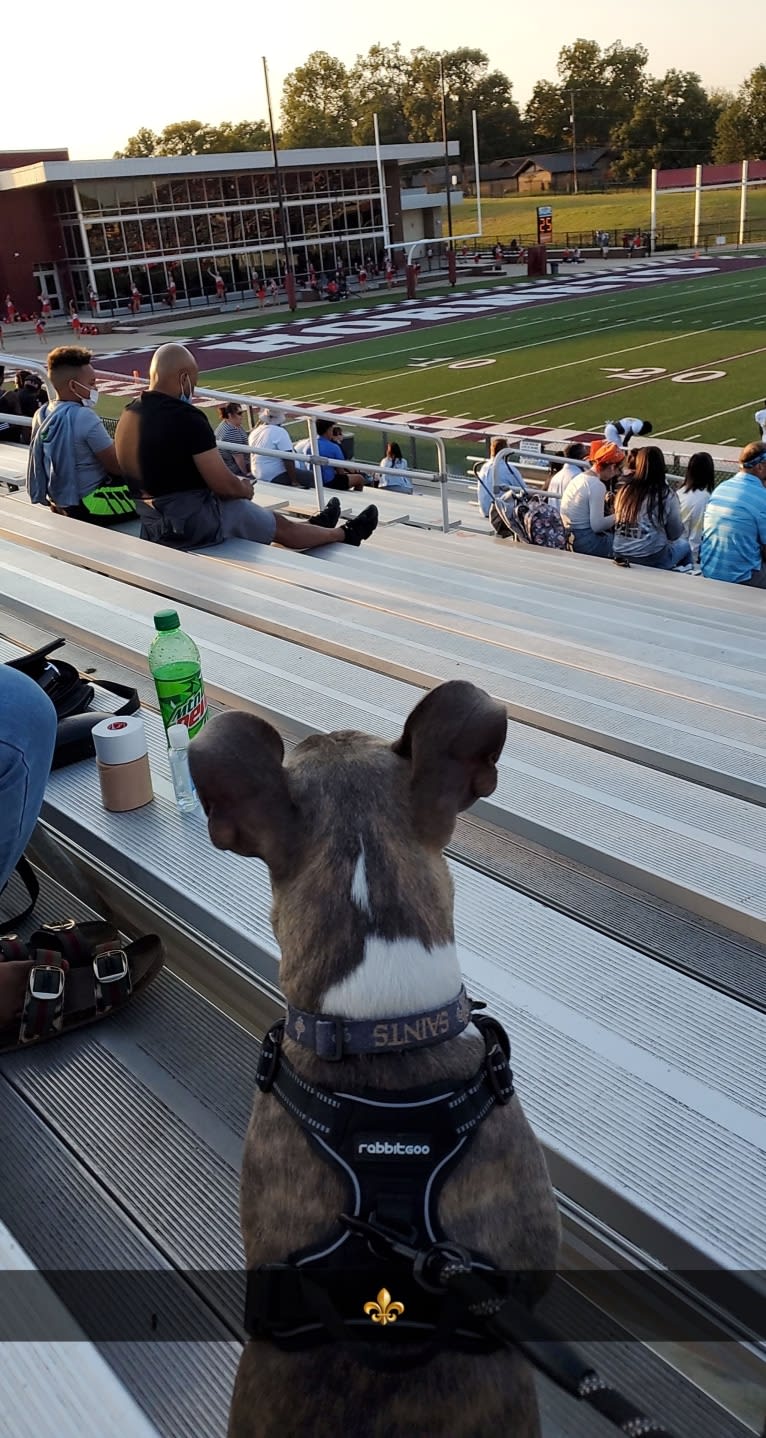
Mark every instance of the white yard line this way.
pixel 718 414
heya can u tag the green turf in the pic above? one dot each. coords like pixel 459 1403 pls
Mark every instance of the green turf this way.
pixel 551 363
pixel 514 215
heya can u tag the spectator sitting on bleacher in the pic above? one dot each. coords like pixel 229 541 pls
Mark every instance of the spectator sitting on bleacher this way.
pixel 270 433
pixel 734 529
pixel 231 432
pixel 395 466
pixel 760 419
pixel 187 496
pixel 576 456
pixel 693 497
pixel 24 400
pixel 648 528
pixel 329 436
pixel 583 506
pixel 73 465
pixel 495 475
pixel 622 431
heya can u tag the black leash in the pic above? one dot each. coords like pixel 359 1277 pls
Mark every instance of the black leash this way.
pixel 447 1268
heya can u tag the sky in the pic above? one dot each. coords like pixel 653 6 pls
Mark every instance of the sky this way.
pixel 88 77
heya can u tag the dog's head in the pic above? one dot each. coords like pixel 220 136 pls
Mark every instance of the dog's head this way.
pixel 352 830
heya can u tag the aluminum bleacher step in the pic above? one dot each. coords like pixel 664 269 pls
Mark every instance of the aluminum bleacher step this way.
pixel 700 849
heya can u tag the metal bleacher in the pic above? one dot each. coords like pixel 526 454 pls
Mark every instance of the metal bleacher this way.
pixel 610 903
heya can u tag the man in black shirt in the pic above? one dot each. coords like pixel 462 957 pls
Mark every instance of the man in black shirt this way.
pixel 25 400
pixel 185 494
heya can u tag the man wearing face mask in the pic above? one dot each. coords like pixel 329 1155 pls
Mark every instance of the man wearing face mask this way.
pixel 187 497
pixel 73 464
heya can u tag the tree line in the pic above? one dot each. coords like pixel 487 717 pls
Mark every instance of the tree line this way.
pixel 606 92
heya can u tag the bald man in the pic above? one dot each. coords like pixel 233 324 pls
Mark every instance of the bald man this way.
pixel 187 497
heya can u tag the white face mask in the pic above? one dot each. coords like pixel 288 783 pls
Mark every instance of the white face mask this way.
pixel 91 399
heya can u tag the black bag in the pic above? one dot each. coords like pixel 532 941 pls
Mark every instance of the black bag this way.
pixel 72 696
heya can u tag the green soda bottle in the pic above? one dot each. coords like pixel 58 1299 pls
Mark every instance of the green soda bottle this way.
pixel 175 664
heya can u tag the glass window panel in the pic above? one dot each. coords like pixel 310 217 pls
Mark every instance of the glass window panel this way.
pixel 114 241
pixel 145 194
pixel 179 192
pixel 219 231
pixel 202 232
pixel 164 194
pixel 245 186
pixel 134 243
pixel 126 195
pixel 186 239
pixel 324 220
pixel 266 220
pixel 88 200
pixel 196 190
pixel 290 182
pixel 236 228
pixel 320 182
pixel 168 235
pixel 229 183
pixel 213 189
pixel 151 231
pixel 365 215
pixel 262 187
pixel 96 240
pixel 252 232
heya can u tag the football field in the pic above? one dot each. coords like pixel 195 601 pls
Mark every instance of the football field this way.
pixel 682 343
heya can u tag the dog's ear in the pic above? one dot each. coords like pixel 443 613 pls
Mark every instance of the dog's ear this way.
pixel 453 740
pixel 236 765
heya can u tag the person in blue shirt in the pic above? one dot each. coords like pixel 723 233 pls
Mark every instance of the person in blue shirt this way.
pixel 734 534
pixel 329 436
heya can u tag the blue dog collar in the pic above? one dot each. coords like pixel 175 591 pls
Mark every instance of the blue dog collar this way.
pixel 334 1038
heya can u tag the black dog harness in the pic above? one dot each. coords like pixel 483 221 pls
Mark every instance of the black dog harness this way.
pixel 394 1151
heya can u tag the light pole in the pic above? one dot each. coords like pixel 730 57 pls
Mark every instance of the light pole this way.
pixel 447 178
pixel 289 277
pixel 574 140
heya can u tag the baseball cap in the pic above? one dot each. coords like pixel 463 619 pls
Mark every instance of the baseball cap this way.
pixel 607 453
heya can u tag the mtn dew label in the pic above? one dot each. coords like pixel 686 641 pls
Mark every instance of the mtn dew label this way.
pixel 182 696
pixel 175 664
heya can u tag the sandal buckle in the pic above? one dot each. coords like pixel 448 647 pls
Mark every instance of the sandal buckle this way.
pixel 59 928
pixel 111 973
pixel 111 966
pixel 46 982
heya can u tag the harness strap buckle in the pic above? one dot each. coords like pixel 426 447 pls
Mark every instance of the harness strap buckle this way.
pixel 270 1056
pixel 330 1039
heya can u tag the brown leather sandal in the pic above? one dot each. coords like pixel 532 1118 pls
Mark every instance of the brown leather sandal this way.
pixel 69 975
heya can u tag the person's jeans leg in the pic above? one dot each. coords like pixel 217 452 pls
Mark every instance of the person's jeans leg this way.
pixel 27 739
pixel 680 551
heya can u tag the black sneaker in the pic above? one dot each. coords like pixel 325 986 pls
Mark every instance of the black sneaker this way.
pixel 328 517
pixel 361 526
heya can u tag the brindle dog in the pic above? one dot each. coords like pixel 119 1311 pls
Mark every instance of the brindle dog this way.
pixel 353 830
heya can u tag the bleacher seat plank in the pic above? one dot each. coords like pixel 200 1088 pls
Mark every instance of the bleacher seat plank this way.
pixel 709 733
pixel 702 850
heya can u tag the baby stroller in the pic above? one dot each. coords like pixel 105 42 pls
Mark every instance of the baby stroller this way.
pixel 527 518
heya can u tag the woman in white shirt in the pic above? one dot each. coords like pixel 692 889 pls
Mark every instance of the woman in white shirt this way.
pixel 583 504
pixel 395 466
pixel 693 496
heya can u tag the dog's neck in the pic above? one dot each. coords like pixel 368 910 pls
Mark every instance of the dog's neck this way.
pixel 386 948
pixel 396 976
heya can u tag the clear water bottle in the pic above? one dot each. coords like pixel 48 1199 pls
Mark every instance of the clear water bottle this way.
pixel 178 759
pixel 175 665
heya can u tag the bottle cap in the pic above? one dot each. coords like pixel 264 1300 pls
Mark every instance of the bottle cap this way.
pixel 166 619
pixel 178 736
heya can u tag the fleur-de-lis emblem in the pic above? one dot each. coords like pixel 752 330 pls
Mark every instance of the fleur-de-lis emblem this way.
pixel 464 1009
pixel 300 1028
pixel 383 1311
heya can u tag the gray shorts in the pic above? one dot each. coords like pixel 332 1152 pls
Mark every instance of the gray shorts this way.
pixel 242 519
